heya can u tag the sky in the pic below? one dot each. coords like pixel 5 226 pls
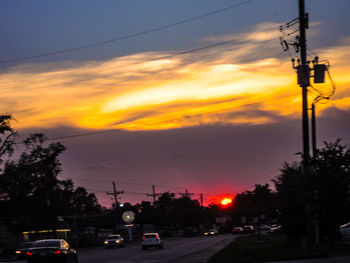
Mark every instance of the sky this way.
pixel 186 94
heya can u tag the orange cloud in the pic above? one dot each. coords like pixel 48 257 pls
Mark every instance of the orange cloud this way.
pixel 250 81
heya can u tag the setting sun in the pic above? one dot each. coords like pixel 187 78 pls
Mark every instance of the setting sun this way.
pixel 226 201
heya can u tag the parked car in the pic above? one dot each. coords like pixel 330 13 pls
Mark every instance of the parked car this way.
pixel 237 230
pixel 151 240
pixel 274 229
pixel 211 232
pixel 22 249
pixel 51 250
pixel 345 231
pixel 114 241
pixel 248 229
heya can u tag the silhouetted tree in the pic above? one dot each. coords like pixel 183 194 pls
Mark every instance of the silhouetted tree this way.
pixel 255 204
pixel 320 196
pixel 7 137
pixel 30 191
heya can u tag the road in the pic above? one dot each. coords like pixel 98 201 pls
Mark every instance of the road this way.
pixel 176 250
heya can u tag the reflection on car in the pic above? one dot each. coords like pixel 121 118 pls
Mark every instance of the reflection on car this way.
pixel 274 229
pixel 51 250
pixel 237 230
pixel 345 231
pixel 22 249
pixel 151 240
pixel 211 232
pixel 248 229
pixel 114 241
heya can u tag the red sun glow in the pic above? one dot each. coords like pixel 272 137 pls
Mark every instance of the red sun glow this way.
pixel 226 201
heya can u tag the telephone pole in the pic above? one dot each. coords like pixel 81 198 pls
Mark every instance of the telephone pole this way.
pixel 154 195
pixel 115 194
pixel 304 81
pixel 313 128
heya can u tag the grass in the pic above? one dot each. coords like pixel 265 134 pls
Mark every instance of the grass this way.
pixel 249 249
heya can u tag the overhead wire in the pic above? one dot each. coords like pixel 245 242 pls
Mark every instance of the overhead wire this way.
pixel 127 36
pixel 175 54
pixel 118 130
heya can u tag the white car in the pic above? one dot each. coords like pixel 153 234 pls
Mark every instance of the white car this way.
pixel 151 240
pixel 345 231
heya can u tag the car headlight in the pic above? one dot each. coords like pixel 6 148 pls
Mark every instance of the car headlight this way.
pixel 106 242
pixel 18 252
pixel 117 241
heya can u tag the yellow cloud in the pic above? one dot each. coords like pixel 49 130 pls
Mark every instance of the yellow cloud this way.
pixel 155 90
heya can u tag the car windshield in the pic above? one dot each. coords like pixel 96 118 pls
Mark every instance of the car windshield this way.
pixel 25 245
pixel 49 243
pixel 151 236
pixel 113 236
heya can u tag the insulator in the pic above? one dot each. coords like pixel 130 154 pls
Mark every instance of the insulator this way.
pixel 296 47
pixel 284 45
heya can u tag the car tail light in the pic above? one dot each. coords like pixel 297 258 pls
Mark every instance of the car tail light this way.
pixel 157 237
pixel 144 237
pixel 29 254
pixel 57 252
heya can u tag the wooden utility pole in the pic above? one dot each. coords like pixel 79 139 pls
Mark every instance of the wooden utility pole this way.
pixel 154 195
pixel 115 194
pixel 304 81
pixel 313 128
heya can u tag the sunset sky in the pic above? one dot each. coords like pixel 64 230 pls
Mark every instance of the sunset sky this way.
pixel 186 94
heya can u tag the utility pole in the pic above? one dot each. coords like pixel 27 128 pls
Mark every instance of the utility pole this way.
pixel 313 129
pixel 303 70
pixel 186 194
pixel 304 74
pixel 115 194
pixel 304 81
pixel 201 199
pixel 154 195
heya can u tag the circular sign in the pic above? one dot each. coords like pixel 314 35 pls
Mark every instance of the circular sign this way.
pixel 128 216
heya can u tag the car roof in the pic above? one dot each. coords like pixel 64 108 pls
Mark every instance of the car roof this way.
pixel 47 240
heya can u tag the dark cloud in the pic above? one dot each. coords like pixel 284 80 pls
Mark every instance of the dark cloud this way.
pixel 209 159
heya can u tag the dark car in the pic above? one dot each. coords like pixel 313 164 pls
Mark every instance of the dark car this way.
pixel 248 229
pixel 237 230
pixel 51 250
pixel 114 241
pixel 211 232
pixel 22 249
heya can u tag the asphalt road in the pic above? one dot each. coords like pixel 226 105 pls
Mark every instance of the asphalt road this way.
pixel 176 250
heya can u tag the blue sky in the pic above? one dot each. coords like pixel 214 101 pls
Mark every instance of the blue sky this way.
pixel 35 27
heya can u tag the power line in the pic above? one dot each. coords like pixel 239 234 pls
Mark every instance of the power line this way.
pixel 118 130
pixel 128 36
pixel 123 182
pixel 81 134
pixel 185 52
